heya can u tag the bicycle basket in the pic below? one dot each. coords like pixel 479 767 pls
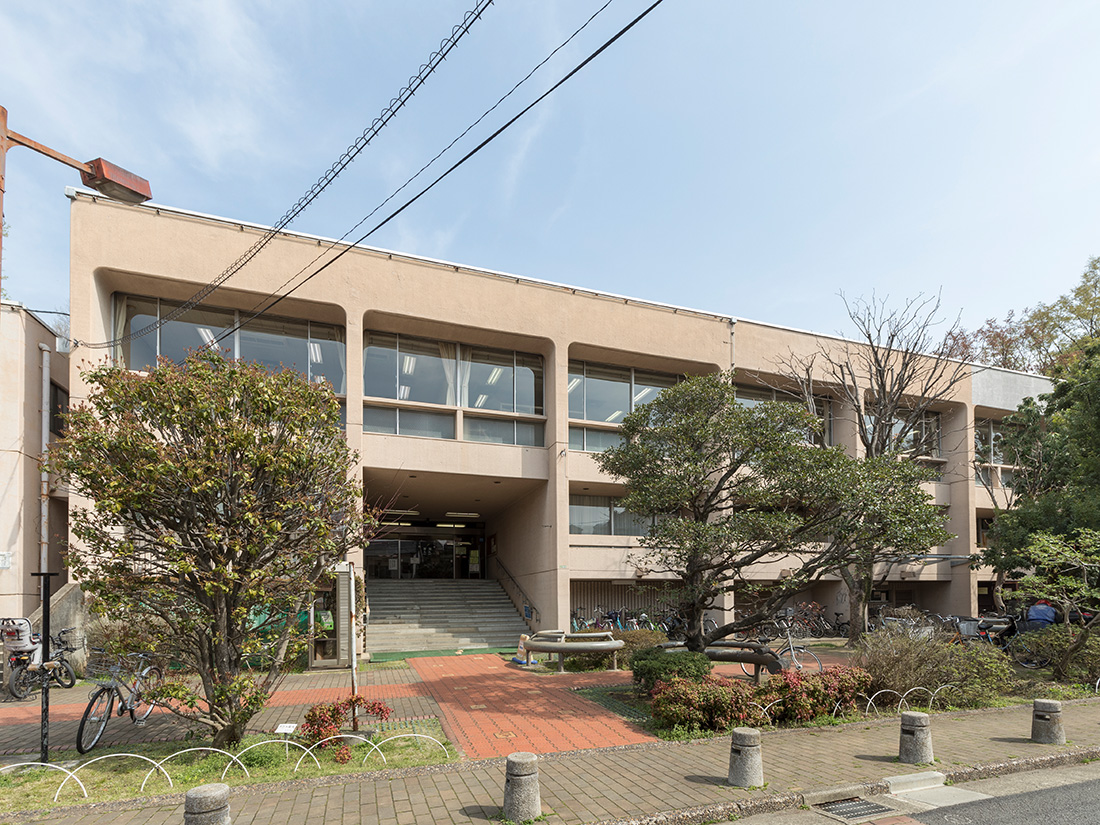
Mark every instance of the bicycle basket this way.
pixel 968 627
pixel 101 668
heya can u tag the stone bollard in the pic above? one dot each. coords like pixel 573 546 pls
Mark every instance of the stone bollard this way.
pixel 746 759
pixel 521 788
pixel 207 805
pixel 916 739
pixel 1046 723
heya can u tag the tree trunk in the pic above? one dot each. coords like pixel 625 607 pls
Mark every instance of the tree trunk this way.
pixel 998 591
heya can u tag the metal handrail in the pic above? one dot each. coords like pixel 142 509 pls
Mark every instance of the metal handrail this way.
pixel 536 616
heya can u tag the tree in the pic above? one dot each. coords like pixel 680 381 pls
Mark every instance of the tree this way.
pixel 730 486
pixel 219 494
pixel 889 381
pixel 1051 537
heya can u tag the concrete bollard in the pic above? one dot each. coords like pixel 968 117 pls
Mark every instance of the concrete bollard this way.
pixel 916 739
pixel 1046 723
pixel 746 759
pixel 521 787
pixel 207 805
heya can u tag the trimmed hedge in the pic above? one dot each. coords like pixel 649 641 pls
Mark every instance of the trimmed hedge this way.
pixel 653 665
pixel 634 640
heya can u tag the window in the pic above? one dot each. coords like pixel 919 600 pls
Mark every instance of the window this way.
pixel 984 526
pixel 59 407
pixel 315 350
pixel 923 439
pixel 989 442
pixel 606 394
pixel 592 440
pixel 604 516
pixel 499 383
pixel 751 396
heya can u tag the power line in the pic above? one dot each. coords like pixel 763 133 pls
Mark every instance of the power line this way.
pixel 387 114
pixel 453 167
pixel 332 244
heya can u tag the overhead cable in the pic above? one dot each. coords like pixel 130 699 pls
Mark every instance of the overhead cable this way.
pixel 387 114
pixel 330 245
pixel 282 296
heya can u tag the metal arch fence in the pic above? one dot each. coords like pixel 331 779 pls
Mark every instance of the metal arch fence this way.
pixel 159 765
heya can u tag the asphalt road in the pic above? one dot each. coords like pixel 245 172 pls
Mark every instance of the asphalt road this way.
pixel 1074 804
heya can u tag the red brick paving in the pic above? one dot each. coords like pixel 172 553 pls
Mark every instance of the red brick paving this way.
pixel 489 708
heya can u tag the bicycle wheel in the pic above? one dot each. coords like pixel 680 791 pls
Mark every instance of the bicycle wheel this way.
pixel 140 707
pixel 709 625
pixel 800 658
pixel 95 718
pixel 21 682
pixel 1025 656
pixel 64 675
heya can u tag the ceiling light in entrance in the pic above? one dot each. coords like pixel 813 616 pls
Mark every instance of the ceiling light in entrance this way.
pixel 462 515
pixel 450 525
pixel 402 512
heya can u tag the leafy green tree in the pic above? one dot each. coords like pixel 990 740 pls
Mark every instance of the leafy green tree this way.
pixel 219 494
pixel 731 486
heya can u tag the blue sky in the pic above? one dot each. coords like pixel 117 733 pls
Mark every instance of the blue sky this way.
pixel 748 158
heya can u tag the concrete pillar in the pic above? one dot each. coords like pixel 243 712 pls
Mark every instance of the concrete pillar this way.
pixel 746 759
pixel 916 739
pixel 1046 723
pixel 207 805
pixel 521 788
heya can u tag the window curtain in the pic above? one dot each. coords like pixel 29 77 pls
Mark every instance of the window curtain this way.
pixel 448 357
pixel 464 366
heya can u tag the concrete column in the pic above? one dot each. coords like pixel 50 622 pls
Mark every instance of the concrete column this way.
pixel 521 788
pixel 1046 723
pixel 207 805
pixel 916 739
pixel 746 759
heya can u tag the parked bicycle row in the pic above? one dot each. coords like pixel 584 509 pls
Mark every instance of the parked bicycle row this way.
pixel 665 618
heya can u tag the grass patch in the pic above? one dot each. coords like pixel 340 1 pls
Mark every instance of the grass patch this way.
pixel 120 778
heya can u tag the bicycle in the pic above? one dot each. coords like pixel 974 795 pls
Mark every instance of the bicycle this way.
pixel 25 658
pixel 111 683
pixel 790 655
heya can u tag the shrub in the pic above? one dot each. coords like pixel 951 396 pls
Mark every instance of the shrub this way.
pixel 1053 643
pixel 650 668
pixel 900 662
pixel 326 719
pixel 634 640
pixel 801 696
pixel 712 703
pixel 715 703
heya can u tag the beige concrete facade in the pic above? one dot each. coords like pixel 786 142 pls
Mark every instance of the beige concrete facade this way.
pixel 25 344
pixel 519 493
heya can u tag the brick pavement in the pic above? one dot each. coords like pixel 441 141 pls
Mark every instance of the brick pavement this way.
pixel 618 783
pixel 609 770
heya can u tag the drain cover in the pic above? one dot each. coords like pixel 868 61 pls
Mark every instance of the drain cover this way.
pixel 854 808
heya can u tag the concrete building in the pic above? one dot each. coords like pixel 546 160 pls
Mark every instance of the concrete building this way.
pixel 34 380
pixel 476 399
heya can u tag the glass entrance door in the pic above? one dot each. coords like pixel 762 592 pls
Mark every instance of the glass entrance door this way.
pixel 427 553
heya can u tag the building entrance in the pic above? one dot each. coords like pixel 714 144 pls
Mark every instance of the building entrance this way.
pixel 427 552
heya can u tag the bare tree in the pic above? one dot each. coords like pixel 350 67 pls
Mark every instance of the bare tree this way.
pixel 891 379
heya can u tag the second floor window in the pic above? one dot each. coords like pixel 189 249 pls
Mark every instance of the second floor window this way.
pixel 316 350
pixel 402 368
pixel 607 394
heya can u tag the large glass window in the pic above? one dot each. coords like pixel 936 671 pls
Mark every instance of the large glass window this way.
pixel 441 372
pixel 604 516
pixel 592 440
pixel 603 393
pixel 751 396
pixel 315 350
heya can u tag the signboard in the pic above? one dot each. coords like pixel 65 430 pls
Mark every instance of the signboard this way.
pixel 286 727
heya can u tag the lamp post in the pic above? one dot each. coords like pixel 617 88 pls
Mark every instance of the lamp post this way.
pixel 99 174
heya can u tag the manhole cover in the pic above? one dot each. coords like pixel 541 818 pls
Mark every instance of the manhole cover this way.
pixel 854 808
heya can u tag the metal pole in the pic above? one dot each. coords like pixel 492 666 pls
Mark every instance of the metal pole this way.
pixel 43 674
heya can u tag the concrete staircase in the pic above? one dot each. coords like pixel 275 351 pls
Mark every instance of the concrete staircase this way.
pixel 440 614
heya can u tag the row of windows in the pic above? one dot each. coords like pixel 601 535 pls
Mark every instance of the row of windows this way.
pixel 317 350
pixel 441 372
pixel 604 516
pixel 603 393
pixel 429 424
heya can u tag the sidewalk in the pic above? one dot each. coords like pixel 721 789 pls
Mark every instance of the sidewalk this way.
pixel 618 773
